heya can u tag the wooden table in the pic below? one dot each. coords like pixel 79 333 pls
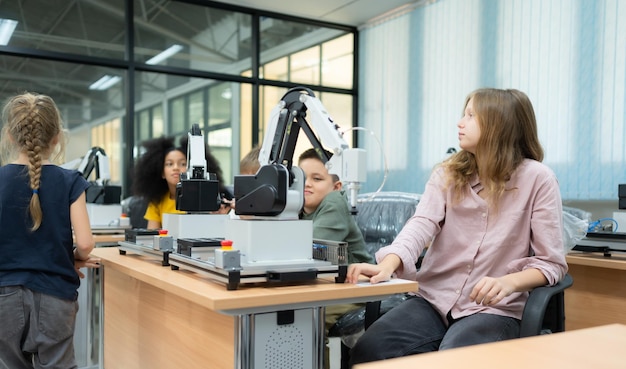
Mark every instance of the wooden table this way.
pixel 598 347
pixel 155 317
pixel 598 295
pixel 108 239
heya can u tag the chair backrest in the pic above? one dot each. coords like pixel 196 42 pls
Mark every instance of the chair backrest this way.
pixel 381 216
pixel 135 208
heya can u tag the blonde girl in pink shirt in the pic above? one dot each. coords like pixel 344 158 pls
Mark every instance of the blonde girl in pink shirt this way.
pixel 493 213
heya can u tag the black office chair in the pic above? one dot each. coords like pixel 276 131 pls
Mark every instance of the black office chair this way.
pixel 381 217
pixel 135 208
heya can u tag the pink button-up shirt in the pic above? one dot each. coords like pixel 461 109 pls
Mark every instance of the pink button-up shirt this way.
pixel 472 240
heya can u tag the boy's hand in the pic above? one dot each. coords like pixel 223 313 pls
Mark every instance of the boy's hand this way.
pixel 225 206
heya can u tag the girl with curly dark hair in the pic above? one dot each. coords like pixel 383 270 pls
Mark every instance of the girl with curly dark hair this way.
pixel 157 172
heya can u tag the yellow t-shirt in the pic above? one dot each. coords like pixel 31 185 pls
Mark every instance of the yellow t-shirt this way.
pixel 166 206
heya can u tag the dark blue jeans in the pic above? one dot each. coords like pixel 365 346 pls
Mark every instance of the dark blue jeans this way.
pixel 37 330
pixel 415 327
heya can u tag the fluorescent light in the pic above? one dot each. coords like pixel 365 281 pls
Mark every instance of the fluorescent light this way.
pixel 96 85
pixel 105 82
pixel 227 94
pixel 113 80
pixel 164 54
pixel 7 26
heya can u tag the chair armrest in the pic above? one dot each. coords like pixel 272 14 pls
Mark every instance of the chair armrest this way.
pixel 538 301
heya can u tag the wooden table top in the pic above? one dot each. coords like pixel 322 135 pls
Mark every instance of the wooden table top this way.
pixel 112 238
pixel 599 347
pixel 214 295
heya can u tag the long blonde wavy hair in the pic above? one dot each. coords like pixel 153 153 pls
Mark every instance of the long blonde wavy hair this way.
pixel 32 125
pixel 508 136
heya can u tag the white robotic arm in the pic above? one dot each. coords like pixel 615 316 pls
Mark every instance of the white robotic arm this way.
pixel 100 192
pixel 196 156
pixel 271 191
pixel 198 190
pixel 347 163
pixel 95 158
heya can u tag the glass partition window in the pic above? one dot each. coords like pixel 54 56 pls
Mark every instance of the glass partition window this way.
pixel 93 28
pixel 268 99
pixel 71 90
pixel 192 36
pixel 277 70
pixel 196 109
pixel 143 125
pixel 177 115
pixel 305 66
pixel 220 105
pixel 177 58
pixel 245 120
pixel 304 53
pixel 158 124
pixel 92 116
pixel 338 61
pixel 106 136
pixel 149 123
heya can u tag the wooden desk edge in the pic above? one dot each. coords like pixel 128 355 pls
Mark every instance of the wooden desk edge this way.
pixel 214 295
pixel 580 337
pixel 596 260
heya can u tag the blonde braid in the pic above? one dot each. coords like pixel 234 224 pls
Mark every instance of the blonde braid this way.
pixel 34 149
pixel 33 121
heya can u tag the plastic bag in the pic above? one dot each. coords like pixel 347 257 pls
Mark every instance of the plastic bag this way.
pixel 574 230
pixel 351 325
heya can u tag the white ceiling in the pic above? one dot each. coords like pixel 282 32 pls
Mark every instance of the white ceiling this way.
pixel 347 12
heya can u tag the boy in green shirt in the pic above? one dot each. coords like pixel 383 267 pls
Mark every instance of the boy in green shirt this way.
pixel 326 204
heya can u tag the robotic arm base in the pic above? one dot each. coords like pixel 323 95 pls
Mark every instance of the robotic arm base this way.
pixel 262 194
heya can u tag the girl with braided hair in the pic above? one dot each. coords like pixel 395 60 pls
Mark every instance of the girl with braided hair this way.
pixel 157 172
pixel 40 204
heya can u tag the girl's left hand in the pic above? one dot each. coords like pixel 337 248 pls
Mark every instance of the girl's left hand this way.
pixel 91 262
